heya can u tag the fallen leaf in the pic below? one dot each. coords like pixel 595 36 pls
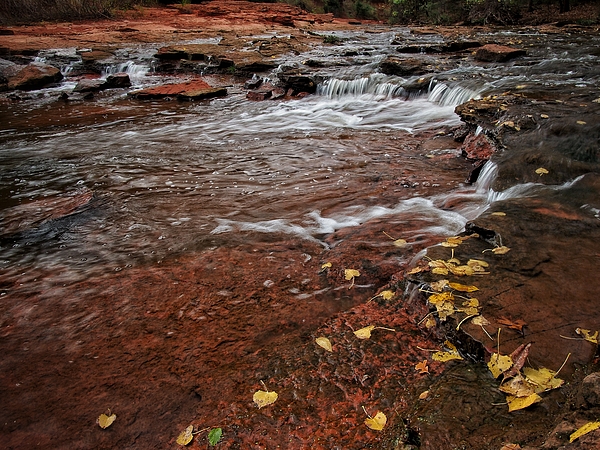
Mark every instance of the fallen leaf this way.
pixel 517 387
pixel 587 335
pixel 518 357
pixel 364 333
pixel 499 364
pixel 376 423
pixel 463 287
pixel 590 426
pixel 500 250
pixel 400 243
pixel 186 436
pixel 423 395
pixel 422 367
pixel 438 286
pixel 430 322
pixel 106 421
pixel 499 213
pixel 471 303
pixel 386 295
pixel 264 398
pixel 541 171
pixel 349 274
pixel 511 447
pixel 461 270
pixel 477 262
pixel 214 436
pixel 544 379
pixel 439 271
pixel 517 324
pixel 581 122
pixel 440 298
pixel 480 320
pixel 516 403
pixel 449 355
pixel 325 343
pixel 327 265
pixel 544 116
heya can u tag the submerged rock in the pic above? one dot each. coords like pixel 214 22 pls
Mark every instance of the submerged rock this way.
pixel 404 66
pixel 191 90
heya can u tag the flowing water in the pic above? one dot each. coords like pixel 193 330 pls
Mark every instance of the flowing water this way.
pixel 161 180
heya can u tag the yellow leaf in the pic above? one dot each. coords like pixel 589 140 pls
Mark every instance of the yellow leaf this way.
pixel 543 378
pixel 106 421
pixel 264 398
pixel 444 310
pixel 462 270
pixel 501 250
pixel 327 265
pixel 541 171
pixel 471 303
pixel 423 395
pixel 437 263
pixel 449 355
pixel 430 322
pixel 499 364
pixel 364 333
pixel 544 116
pixel 516 403
pixel 590 426
pixel 587 335
pixel 325 343
pixel 400 243
pixel 463 287
pixel 581 122
pixel 438 299
pixel 386 295
pixel 477 262
pixel 440 271
pixel 351 273
pixel 186 436
pixel 376 423
pixel 499 213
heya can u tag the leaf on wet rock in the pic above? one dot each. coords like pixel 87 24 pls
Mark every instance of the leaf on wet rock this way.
pixel 588 427
pixel 581 122
pixel 214 436
pixel 500 250
pixel 439 271
pixel 377 422
pixel 400 243
pixel 438 286
pixel 516 324
pixel 518 387
pixel 544 116
pixel 350 274
pixel 106 420
pixel 186 436
pixel 541 171
pixel 499 364
pixel 518 357
pixel 325 343
pixel 422 367
pixel 364 333
pixel 264 398
pixel 480 320
pixel 499 213
pixel 448 355
pixel 430 322
pixel 587 335
pixel 463 287
pixel 326 265
pixel 544 379
pixel 516 403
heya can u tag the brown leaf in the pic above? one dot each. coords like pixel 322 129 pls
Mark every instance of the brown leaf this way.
pixel 517 324
pixel 422 367
pixel 518 357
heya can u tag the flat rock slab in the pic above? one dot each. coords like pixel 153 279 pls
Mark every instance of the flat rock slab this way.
pixel 34 76
pixel 197 89
pixel 497 53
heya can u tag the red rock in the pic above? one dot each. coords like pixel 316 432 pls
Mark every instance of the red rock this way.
pixel 497 53
pixel 190 89
pixel 34 76
pixel 478 147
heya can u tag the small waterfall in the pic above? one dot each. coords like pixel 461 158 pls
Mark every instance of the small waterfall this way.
pixel 445 95
pixel 135 71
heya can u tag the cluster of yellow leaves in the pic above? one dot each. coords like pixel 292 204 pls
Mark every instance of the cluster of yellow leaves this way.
pixel 522 386
pixel 447 355
pixel 444 299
